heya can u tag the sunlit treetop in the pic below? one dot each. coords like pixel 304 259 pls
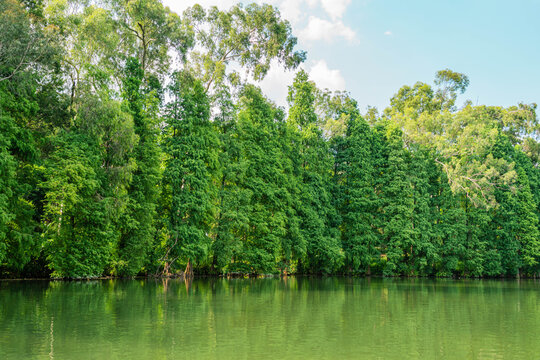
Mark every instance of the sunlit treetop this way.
pixel 462 139
pixel 250 36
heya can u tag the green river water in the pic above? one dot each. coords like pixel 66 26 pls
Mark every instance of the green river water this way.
pixel 292 318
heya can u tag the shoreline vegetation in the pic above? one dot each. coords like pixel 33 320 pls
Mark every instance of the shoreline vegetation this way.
pixel 134 140
pixel 233 276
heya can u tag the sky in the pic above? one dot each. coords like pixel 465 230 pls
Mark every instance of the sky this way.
pixel 371 48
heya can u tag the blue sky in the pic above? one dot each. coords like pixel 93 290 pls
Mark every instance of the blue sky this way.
pixel 373 47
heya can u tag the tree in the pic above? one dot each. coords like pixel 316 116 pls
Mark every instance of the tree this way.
pixel 359 237
pixel 101 36
pixel 85 183
pixel 250 36
pixel 31 105
pixel 138 227
pixel 514 223
pixel 153 32
pixel 450 227
pixel 450 84
pixel 7 181
pixel 397 208
pixel 315 165
pixel 190 172
pixel 24 43
pixel 229 218
pixel 425 177
pixel 527 232
pixel 78 243
pixel 460 141
pixel 264 182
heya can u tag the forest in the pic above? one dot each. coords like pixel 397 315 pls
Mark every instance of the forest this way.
pixel 135 142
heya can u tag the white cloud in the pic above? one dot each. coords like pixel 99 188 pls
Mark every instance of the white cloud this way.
pixel 276 83
pixel 326 78
pixel 320 29
pixel 335 8
pixel 291 10
pixel 388 33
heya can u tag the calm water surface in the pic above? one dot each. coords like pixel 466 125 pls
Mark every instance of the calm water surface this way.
pixel 294 318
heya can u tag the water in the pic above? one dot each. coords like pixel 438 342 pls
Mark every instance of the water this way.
pixel 270 318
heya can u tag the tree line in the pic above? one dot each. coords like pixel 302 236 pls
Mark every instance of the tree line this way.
pixel 132 142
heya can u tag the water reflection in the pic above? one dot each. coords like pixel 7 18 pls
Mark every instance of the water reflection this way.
pixel 269 318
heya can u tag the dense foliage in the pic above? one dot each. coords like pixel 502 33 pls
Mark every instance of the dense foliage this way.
pixel 131 145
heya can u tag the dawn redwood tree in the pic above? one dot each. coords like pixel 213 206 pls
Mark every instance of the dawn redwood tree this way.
pixel 425 176
pixel 359 237
pixel 323 253
pixel 397 207
pixel 137 225
pixel 259 186
pixel 191 147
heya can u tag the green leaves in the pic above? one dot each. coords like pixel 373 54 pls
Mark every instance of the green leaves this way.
pixel 251 37
pixel 254 194
pixel 7 181
pixel 71 186
pixel 102 174
pixel 138 222
pixel 314 169
pixel 24 44
pixel 461 141
pixel 450 84
pixel 190 172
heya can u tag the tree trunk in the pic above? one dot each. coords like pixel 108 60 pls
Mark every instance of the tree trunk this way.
pixel 166 269
pixel 189 270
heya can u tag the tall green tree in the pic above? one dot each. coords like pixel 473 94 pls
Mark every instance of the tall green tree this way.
pixel 31 107
pixel 514 224
pixel 192 153
pixel 85 183
pixel 315 166
pixel 255 199
pixel 359 238
pixel 425 178
pixel 230 196
pixel 79 241
pixel 449 228
pixel 397 208
pixel 138 228
pixel 7 181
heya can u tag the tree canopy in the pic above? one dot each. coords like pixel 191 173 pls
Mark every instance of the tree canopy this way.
pixel 134 142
